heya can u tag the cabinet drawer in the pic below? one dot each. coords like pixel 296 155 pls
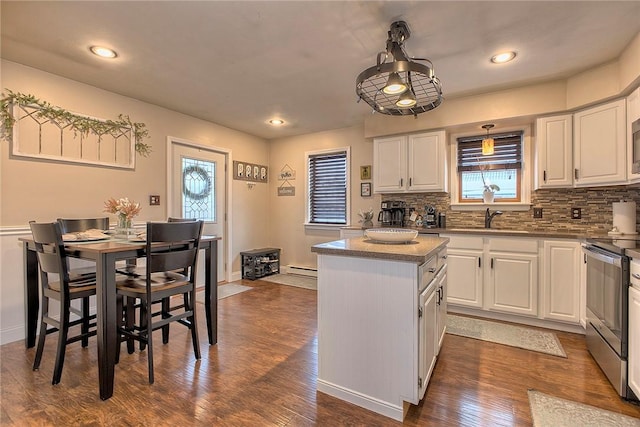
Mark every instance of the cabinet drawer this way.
pixel 427 272
pixel 635 274
pixel 457 241
pixel 513 245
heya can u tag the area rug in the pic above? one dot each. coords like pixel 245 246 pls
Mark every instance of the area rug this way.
pixel 501 333
pixel 293 280
pixel 225 291
pixel 549 411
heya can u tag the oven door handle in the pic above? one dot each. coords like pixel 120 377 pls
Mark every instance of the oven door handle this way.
pixel 606 258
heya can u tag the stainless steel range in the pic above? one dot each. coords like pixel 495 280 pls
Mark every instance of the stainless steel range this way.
pixel 608 305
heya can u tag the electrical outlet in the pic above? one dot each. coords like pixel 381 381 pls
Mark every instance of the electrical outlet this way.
pixel 537 212
pixel 576 213
pixel 154 200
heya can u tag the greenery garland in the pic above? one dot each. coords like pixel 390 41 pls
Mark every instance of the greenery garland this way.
pixel 79 124
pixel 203 175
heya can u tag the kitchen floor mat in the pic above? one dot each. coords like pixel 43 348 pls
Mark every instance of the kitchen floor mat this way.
pixel 550 411
pixel 225 291
pixel 502 333
pixel 293 280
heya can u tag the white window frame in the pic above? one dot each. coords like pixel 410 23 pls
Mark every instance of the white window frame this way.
pixel 307 154
pixel 526 173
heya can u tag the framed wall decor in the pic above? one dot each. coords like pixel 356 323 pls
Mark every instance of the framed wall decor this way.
pixel 365 172
pixel 250 172
pixel 365 189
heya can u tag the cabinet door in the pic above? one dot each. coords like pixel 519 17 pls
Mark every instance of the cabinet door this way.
pixel 427 162
pixel 600 145
pixel 441 293
pixel 561 281
pixel 554 152
pixel 633 114
pixel 464 277
pixel 428 337
pixel 389 164
pixel 512 283
pixel 634 340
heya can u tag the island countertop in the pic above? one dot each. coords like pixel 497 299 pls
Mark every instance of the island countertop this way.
pixel 419 250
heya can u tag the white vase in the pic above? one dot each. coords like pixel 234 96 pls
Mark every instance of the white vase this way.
pixel 488 196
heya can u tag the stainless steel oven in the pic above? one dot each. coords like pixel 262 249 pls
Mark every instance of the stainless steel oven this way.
pixel 607 309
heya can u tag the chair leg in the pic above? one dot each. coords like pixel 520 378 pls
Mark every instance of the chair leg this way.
pixel 165 313
pixel 43 334
pixel 149 332
pixel 130 317
pixel 85 321
pixel 144 309
pixel 62 341
pixel 120 314
pixel 189 300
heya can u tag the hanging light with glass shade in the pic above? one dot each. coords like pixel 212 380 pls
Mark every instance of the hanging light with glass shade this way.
pixel 401 86
pixel 487 142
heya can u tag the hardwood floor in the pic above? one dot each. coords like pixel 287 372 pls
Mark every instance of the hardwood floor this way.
pixel 263 372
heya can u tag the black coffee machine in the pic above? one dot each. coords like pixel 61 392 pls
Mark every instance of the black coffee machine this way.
pixel 392 213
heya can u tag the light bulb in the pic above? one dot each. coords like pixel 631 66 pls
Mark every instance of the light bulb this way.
pixel 394 85
pixel 406 100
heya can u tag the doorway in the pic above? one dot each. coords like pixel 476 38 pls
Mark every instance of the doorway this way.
pixel 197 188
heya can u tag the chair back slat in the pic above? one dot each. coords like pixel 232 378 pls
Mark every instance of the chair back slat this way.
pixel 52 257
pixel 173 219
pixel 180 250
pixel 75 225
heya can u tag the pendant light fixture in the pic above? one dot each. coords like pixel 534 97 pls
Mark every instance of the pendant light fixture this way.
pixel 487 143
pixel 401 86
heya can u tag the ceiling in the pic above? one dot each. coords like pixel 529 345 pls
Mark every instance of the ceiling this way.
pixel 240 63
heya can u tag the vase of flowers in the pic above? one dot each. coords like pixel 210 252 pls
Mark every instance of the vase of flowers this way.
pixel 366 218
pixel 488 194
pixel 125 211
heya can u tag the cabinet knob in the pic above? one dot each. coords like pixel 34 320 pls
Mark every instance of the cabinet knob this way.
pixel 575 173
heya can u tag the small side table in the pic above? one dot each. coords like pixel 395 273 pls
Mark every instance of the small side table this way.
pixel 258 263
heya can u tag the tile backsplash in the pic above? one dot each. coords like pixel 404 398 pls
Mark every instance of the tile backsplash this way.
pixel 556 204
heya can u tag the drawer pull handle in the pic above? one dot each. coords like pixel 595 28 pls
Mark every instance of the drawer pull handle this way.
pixel 432 270
pixel 636 276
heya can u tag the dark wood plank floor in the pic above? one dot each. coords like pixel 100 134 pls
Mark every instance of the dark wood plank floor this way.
pixel 263 373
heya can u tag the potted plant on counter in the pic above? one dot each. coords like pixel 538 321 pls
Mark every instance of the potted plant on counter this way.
pixel 488 194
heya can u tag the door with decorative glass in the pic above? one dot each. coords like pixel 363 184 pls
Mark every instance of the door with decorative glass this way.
pixel 198 190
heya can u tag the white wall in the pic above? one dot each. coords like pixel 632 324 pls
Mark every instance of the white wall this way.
pixel 44 191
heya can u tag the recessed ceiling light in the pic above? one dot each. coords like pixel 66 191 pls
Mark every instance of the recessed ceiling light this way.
pixel 276 122
pixel 503 57
pixel 103 52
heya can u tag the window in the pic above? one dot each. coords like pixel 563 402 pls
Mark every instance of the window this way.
pixel 502 169
pixel 328 194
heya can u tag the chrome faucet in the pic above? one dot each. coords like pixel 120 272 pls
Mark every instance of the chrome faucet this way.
pixel 489 216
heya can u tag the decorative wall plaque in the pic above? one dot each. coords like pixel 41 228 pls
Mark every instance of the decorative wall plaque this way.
pixel 250 172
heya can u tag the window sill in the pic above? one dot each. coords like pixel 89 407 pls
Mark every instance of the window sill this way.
pixel 505 206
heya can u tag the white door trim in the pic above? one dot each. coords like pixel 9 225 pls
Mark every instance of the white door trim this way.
pixel 171 140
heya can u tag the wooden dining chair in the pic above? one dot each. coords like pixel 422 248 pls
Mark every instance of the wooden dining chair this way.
pixel 171 249
pixel 52 259
pixel 78 225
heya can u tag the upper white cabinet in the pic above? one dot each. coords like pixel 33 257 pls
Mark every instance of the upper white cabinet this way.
pixel 554 151
pixel 633 114
pixel 410 163
pixel 600 149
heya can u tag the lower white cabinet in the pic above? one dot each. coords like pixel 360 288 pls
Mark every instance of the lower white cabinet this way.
pixel 634 328
pixel 428 336
pixel 465 273
pixel 561 280
pixel 441 291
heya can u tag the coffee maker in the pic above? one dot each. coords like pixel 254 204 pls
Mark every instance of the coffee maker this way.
pixel 392 213
pixel 430 219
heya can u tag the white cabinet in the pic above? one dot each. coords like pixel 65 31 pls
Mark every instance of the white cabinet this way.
pixel 465 273
pixel 428 341
pixel 554 152
pixel 600 149
pixel 441 291
pixel 633 114
pixel 410 163
pixel 634 327
pixel 561 280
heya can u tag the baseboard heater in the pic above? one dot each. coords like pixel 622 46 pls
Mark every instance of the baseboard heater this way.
pixel 302 271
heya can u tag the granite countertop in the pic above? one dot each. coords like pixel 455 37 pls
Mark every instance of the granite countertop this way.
pixel 419 250
pixel 634 253
pixel 499 232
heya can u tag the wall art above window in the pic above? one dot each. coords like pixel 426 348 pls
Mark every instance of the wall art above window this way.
pixel 39 130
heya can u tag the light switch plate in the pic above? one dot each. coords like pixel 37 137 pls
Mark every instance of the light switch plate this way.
pixel 154 200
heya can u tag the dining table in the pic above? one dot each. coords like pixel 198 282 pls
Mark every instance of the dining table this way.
pixel 106 253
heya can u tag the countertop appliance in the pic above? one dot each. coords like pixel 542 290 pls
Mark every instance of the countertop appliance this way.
pixel 607 306
pixel 392 213
pixel 430 219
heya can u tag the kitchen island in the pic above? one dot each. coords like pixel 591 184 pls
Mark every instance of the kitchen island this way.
pixel 381 317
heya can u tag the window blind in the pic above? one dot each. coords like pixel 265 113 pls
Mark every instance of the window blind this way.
pixel 328 188
pixel 507 152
